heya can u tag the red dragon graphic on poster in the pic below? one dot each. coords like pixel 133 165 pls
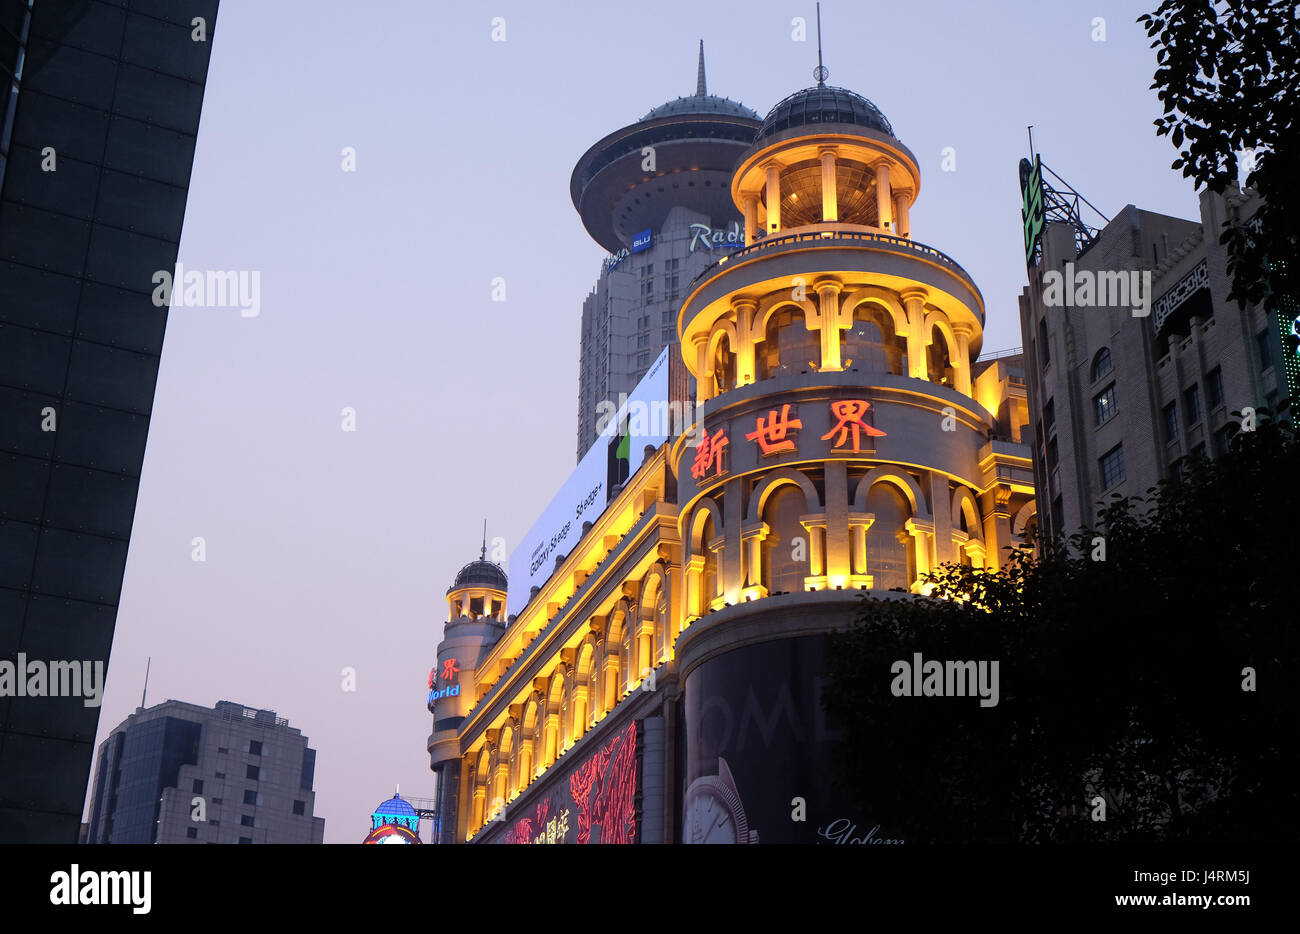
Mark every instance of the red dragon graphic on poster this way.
pixel 602 792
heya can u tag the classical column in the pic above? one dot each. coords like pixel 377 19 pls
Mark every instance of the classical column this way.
pixel 902 224
pixel 961 366
pixel 917 337
pixel 884 199
pixel 743 309
pixel 581 713
pixel 828 294
pixel 830 200
pixel 696 602
pixel 751 217
pixel 922 533
pixel 773 197
pixel 703 379
pixel 752 538
pixel 859 524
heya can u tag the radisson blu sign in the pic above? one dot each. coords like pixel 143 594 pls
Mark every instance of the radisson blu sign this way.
pixel 642 419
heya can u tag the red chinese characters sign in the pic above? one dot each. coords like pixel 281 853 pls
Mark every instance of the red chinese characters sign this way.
pixel 776 433
pixel 850 412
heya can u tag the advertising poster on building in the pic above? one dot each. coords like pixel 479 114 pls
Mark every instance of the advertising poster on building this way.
pixel 594 802
pixel 757 741
pixel 640 420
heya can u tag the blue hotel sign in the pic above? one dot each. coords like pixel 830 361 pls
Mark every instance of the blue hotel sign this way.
pixel 641 241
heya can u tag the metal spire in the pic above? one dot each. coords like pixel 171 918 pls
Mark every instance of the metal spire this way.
pixel 701 89
pixel 482 555
pixel 821 73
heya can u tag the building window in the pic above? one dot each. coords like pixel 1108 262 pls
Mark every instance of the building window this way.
pixel 1058 515
pixel 1192 404
pixel 192 832
pixel 222 750
pixel 666 317
pixel 300 807
pixel 1199 450
pixel 1223 438
pixel 1044 351
pixel 245 839
pixel 198 786
pixel 1112 467
pixel 1049 414
pixel 1104 404
pixel 218 800
pixel 221 775
pixel 254 773
pixel 1101 364
pixel 667 335
pixel 254 747
pixel 1171 422
pixel 643 339
pixel 1176 470
pixel 250 796
pixel 1053 455
pixel 888 557
pixel 643 359
pixel 246 820
pixel 782 512
pixel 1261 342
pixel 1214 388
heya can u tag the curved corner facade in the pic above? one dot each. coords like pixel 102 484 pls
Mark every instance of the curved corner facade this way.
pixel 664 684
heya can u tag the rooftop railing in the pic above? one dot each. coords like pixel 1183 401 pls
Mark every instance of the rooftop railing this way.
pixel 834 237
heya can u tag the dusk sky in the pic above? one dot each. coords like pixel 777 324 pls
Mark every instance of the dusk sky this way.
pixel 328 549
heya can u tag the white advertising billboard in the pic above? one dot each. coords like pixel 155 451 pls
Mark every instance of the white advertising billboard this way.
pixel 641 419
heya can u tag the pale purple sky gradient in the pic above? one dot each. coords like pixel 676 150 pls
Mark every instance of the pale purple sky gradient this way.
pixel 328 549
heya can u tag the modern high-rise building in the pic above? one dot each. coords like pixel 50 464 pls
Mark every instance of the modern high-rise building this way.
pixel 660 680
pixel 1135 357
pixel 181 773
pixel 654 194
pixel 99 108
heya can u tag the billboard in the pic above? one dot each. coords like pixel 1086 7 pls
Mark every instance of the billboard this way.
pixel 641 419
pixel 1031 205
pixel 757 739
pixel 593 803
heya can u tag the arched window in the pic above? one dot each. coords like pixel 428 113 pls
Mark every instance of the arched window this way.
pixel 888 557
pixel 871 346
pixel 709 576
pixel 788 346
pixel 938 365
pixel 786 565
pixel 1101 364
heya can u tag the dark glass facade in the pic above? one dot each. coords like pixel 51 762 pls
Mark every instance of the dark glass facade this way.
pixel 139 764
pixel 100 116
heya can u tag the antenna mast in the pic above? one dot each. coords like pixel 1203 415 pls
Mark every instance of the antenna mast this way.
pixel 821 73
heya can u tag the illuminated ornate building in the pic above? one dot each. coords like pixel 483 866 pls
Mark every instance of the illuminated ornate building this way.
pixel 663 683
